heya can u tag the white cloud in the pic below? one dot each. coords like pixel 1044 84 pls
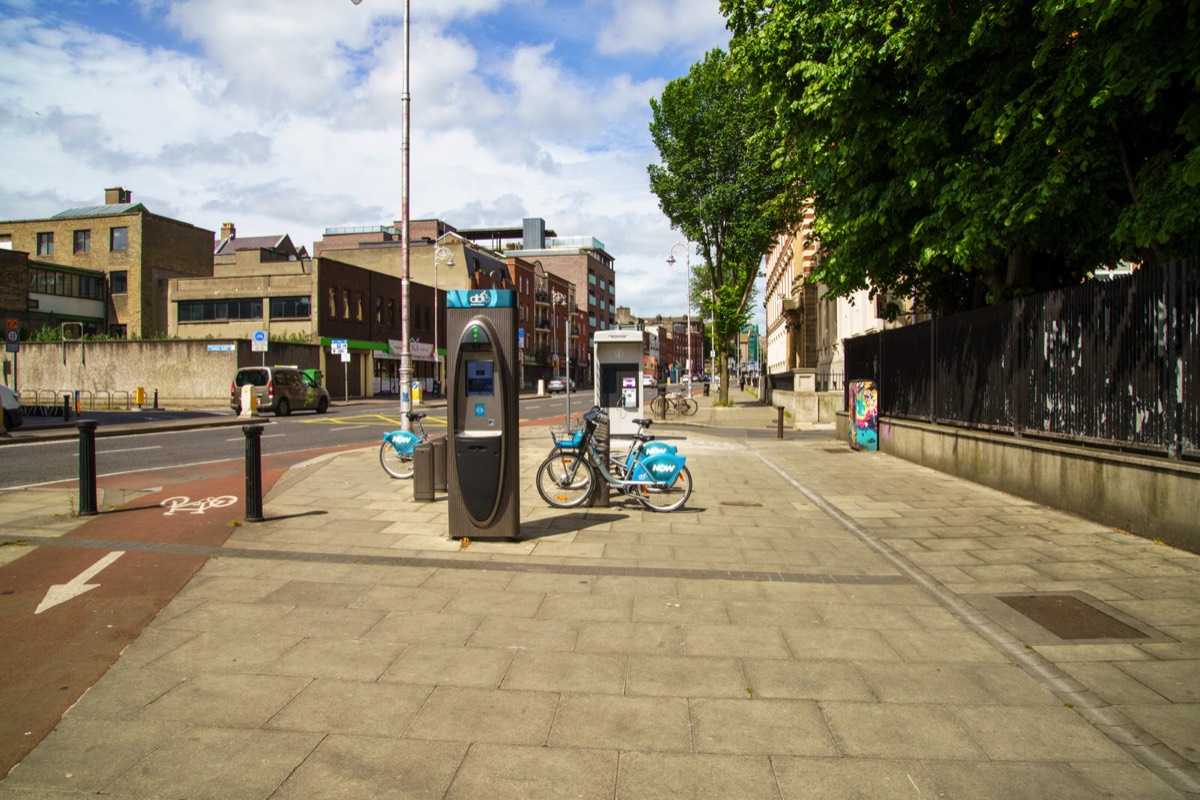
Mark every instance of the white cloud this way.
pixel 655 26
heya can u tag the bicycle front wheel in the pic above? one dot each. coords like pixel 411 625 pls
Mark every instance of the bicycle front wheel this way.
pixel 667 498
pixel 395 464
pixel 565 479
pixel 658 405
pixel 689 406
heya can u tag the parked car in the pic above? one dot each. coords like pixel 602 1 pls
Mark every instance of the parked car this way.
pixel 649 381
pixel 559 384
pixel 280 389
pixel 13 415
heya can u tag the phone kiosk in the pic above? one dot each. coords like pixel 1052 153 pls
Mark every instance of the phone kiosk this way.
pixel 482 470
pixel 617 355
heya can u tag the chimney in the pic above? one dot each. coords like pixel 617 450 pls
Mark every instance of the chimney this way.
pixel 228 231
pixel 117 195
pixel 534 234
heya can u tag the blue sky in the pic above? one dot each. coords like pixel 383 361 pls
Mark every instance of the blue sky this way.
pixel 283 116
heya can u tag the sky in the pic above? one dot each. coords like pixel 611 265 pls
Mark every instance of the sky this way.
pixel 284 116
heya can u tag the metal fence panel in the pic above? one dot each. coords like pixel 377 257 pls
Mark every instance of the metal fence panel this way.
pixel 1112 362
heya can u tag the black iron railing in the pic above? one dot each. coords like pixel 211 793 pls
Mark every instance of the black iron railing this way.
pixel 1108 362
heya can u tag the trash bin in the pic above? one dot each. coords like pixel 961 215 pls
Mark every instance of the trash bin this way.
pixel 423 473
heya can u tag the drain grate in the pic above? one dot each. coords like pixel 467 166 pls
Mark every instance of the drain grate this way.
pixel 1068 617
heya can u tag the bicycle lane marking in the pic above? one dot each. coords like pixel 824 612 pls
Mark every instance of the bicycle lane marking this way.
pixel 50 659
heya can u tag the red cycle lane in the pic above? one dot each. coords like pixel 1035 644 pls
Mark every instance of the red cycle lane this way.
pixel 67 612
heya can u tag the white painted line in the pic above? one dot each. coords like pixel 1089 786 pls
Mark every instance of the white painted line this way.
pixel 264 436
pixel 129 450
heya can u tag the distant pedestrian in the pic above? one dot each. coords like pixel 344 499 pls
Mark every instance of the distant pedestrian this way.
pixel 742 382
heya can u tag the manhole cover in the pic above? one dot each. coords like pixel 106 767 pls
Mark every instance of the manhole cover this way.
pixel 1069 617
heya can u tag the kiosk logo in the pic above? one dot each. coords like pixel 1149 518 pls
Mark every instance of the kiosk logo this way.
pixel 481 298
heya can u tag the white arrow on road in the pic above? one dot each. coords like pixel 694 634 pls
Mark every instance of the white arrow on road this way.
pixel 62 592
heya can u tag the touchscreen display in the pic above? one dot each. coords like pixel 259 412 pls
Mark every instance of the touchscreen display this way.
pixel 480 378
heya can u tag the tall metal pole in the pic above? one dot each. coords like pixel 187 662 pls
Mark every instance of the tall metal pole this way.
pixel 687 254
pixel 405 283
pixel 440 252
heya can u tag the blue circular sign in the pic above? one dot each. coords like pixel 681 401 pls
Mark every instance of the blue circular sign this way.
pixel 260 336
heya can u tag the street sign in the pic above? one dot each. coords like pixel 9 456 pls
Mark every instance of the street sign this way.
pixel 258 343
pixel 13 324
pixel 339 346
pixel 12 340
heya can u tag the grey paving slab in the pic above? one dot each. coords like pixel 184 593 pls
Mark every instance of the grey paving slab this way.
pixel 368 766
pixel 702 776
pixel 217 763
pixel 517 773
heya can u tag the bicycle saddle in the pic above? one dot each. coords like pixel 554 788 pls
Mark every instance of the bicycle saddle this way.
pixel 413 416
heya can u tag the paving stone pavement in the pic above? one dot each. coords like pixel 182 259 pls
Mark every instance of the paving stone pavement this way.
pixel 814 623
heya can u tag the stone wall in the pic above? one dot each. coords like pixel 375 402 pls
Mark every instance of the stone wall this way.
pixel 181 372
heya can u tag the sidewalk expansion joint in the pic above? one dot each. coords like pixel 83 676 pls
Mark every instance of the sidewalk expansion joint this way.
pixel 456 562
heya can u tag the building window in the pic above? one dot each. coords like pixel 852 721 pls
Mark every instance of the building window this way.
pixel 66 284
pixel 83 241
pixel 220 310
pixel 118 239
pixel 299 307
pixel 378 310
pixel 118 281
pixel 345 304
pixel 358 315
pixel 331 293
pixel 391 313
pixel 45 244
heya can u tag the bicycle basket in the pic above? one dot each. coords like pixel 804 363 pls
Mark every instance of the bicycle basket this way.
pixel 569 435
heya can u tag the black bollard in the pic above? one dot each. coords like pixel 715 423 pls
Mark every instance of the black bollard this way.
pixel 779 422
pixel 156 399
pixel 66 408
pixel 253 434
pixel 87 467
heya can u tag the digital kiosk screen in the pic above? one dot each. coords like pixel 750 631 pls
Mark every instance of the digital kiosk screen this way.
pixel 480 378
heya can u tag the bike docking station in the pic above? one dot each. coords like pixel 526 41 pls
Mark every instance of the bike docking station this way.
pixel 483 481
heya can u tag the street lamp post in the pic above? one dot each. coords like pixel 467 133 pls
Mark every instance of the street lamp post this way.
pixel 687 255
pixel 441 253
pixel 405 282
pixel 560 299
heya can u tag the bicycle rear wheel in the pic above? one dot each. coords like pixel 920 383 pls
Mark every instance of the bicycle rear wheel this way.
pixel 565 479
pixel 689 406
pixel 395 464
pixel 667 498
pixel 658 405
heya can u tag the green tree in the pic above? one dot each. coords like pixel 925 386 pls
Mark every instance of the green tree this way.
pixel 717 183
pixel 964 152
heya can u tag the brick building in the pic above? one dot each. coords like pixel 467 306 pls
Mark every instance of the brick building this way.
pixel 136 250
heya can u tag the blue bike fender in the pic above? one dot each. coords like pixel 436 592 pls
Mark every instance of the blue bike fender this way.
pixel 402 441
pixel 649 449
pixel 661 468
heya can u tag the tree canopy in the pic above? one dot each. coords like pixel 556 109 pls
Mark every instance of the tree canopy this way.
pixel 718 184
pixel 965 152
